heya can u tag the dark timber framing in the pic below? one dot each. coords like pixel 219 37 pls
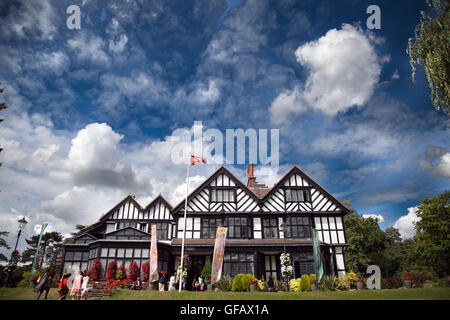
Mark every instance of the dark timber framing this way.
pixel 247 248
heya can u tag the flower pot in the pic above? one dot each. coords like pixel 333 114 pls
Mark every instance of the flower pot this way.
pixel 407 283
pixel 360 285
pixel 314 286
pixel 90 286
pixel 252 287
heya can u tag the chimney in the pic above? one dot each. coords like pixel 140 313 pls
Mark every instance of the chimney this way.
pixel 251 183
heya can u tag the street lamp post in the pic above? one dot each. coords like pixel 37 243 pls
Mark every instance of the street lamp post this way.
pixel 283 227
pixel 22 223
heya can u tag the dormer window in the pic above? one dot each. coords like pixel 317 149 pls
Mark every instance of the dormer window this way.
pixel 223 195
pixel 297 195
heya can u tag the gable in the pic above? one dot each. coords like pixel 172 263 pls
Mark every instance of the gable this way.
pixel 321 200
pixel 84 238
pixel 199 201
pixel 158 209
pixel 128 233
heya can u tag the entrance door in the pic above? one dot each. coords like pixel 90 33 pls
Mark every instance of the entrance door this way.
pixel 197 264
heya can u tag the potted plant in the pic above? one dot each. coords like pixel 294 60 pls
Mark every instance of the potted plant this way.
pixel 360 283
pixel 91 284
pixel 407 282
pixel 253 284
pixel 313 283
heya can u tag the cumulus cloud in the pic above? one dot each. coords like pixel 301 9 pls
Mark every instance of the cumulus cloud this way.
pixel 344 70
pixel 377 217
pixel 405 224
pixel 436 160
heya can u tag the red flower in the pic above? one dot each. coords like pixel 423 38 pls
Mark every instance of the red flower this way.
pixel 312 281
pixel 254 281
pixel 408 276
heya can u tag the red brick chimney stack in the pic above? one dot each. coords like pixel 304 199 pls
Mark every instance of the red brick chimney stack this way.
pixel 251 178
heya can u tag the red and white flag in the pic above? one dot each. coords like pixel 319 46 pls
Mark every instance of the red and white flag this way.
pixel 197 160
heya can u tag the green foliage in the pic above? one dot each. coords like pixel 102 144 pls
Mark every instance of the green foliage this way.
pixel 3 244
pixel 343 283
pixel 25 282
pixel 312 277
pixel 206 271
pixel 431 247
pixel 239 284
pixel 304 283
pixel 329 283
pixel 225 283
pixel 431 46
pixel 366 242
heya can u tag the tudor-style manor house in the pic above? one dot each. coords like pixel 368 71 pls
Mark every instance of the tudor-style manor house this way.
pixel 253 214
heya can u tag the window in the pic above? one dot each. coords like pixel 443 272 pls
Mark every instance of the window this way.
pixel 238 227
pixel 161 230
pixel 297 195
pixel 303 263
pixel 142 226
pixel 126 224
pixel 270 228
pixel 238 262
pixel 209 227
pixel 298 227
pixel 192 228
pixel 222 195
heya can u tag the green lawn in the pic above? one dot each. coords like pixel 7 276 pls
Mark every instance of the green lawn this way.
pixel 396 294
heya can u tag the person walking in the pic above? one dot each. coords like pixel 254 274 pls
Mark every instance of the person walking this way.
pixel 172 283
pixel 162 282
pixel 44 284
pixel 76 287
pixel 84 287
pixel 62 287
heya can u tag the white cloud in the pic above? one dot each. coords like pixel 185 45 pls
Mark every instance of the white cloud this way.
pixel 378 217
pixel 405 224
pixel 89 48
pixel 344 70
pixel 286 103
pixel 118 46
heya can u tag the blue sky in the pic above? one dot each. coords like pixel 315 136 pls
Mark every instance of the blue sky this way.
pixel 91 110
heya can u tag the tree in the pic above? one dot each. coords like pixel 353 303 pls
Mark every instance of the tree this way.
pixel 2 106
pixel 78 228
pixel 431 45
pixel 45 252
pixel 431 247
pixel 3 244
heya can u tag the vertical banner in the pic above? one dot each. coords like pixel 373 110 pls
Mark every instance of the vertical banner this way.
pixel 219 249
pixel 153 276
pixel 318 267
pixel 43 226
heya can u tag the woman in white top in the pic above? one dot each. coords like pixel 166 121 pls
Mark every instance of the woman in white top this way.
pixel 84 287
pixel 172 283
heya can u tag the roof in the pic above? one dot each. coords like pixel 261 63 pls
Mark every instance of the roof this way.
pixel 243 242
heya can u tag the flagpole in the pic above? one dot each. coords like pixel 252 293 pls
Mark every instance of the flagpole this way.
pixel 184 227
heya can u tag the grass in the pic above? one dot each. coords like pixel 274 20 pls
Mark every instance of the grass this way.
pixel 394 294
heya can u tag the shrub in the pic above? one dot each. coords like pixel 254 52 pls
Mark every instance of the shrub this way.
pixel 430 284
pixel 206 271
pixel 305 285
pixel 419 279
pixel 96 269
pixel 343 283
pixel 225 283
pixel 443 282
pixel 329 283
pixel 312 277
pixel 394 282
pixel 351 277
pixel 240 282
pixel 262 286
pixel 25 282
pixel 294 285
pixel 121 274
pixel 133 272
pixel 145 271
pixel 111 270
